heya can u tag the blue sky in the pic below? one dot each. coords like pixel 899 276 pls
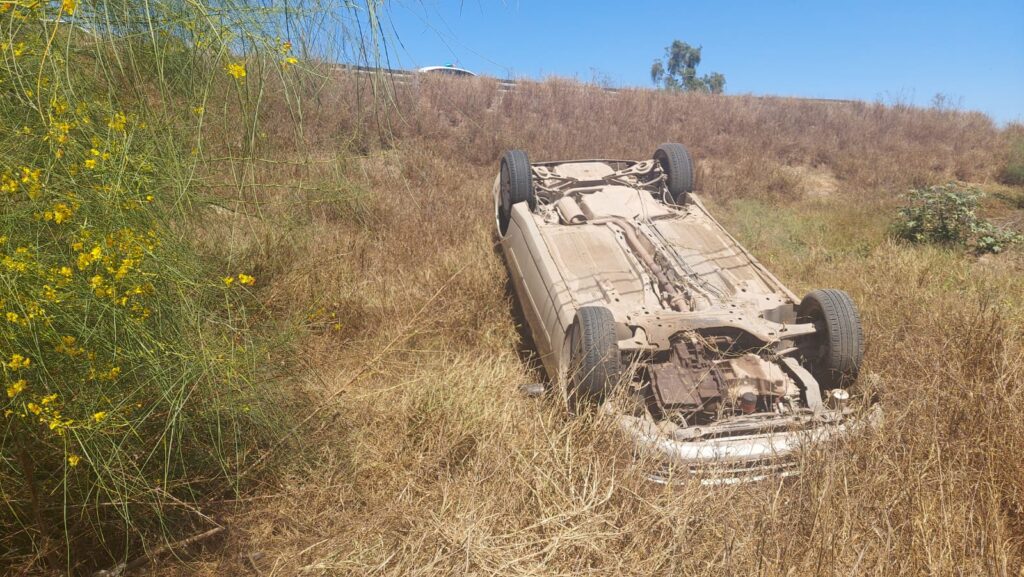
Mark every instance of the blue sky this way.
pixel 970 51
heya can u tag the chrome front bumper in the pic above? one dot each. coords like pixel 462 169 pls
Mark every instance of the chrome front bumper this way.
pixel 716 457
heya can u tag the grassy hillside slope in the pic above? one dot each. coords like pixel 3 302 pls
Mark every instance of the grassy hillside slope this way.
pixel 372 237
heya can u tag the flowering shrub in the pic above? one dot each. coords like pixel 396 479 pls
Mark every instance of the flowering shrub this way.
pixel 124 356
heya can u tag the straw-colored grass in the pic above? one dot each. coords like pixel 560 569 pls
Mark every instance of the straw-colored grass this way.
pixel 422 458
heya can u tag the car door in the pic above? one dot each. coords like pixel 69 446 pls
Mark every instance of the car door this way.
pixel 531 269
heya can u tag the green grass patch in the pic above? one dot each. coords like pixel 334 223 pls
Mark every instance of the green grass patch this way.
pixel 1013 171
pixel 797 238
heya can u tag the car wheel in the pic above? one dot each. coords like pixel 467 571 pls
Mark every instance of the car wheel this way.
pixel 516 185
pixel 836 349
pixel 677 164
pixel 594 364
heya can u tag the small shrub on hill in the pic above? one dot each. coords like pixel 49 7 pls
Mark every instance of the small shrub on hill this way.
pixel 1013 172
pixel 947 214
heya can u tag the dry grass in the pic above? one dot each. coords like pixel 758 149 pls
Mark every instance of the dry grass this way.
pixel 423 459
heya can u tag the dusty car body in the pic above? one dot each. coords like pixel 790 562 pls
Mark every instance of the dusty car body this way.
pixel 641 303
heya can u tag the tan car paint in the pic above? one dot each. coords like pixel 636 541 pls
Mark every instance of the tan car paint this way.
pixel 559 267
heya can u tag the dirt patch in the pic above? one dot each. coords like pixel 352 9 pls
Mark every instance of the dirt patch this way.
pixel 815 181
pixel 765 177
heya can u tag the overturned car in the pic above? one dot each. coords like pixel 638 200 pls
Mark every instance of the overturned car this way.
pixel 640 303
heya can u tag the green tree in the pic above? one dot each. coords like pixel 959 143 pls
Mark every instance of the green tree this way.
pixel 678 70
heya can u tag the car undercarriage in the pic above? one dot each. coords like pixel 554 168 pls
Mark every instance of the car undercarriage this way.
pixel 641 304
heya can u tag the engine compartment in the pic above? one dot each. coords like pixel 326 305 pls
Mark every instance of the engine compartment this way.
pixel 695 383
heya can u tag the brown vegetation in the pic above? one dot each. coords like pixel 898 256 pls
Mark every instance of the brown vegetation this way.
pixel 420 457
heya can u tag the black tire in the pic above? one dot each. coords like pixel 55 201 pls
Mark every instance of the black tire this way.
pixel 516 185
pixel 835 351
pixel 595 366
pixel 677 164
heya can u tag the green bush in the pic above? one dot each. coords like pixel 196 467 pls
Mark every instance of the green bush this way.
pixel 947 214
pixel 1013 172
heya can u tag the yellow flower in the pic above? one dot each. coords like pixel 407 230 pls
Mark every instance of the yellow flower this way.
pixel 65 271
pixel 124 269
pixel 118 121
pixel 90 163
pixel 61 212
pixel 67 346
pixel 49 293
pixel 68 6
pixel 28 175
pixel 58 424
pixel 199 110
pixel 236 69
pixel 16 265
pixel 16 387
pixel 289 61
pixel 18 362
pixel 246 279
pixel 73 460
pixel 98 417
pixel 228 280
pixel 34 408
pixel 12 316
pixel 149 198
pixel 48 399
